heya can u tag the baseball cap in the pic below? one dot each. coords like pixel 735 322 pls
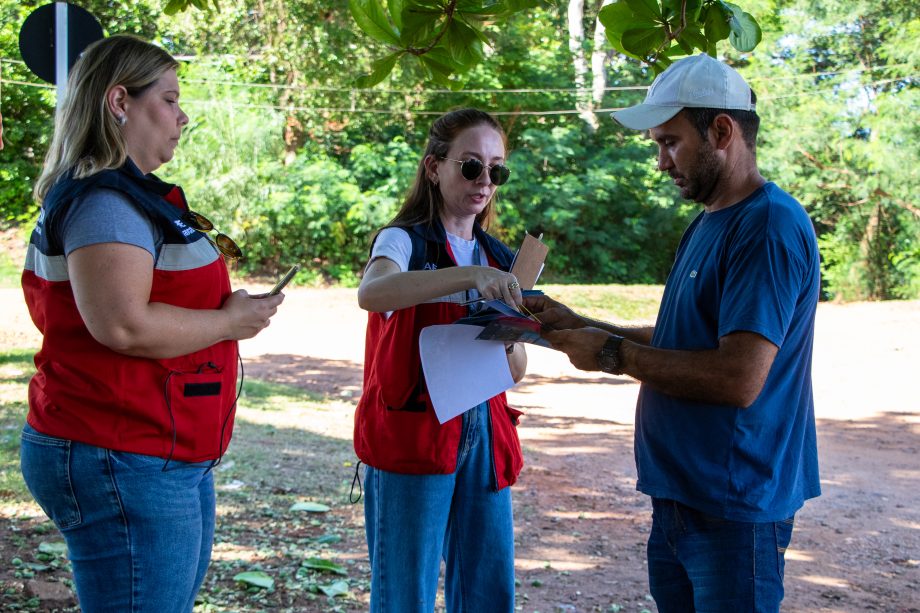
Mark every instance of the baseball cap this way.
pixel 699 81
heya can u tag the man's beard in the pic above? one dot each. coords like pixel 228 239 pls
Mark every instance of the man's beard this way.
pixel 701 178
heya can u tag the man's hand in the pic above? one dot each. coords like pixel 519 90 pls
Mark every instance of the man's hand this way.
pixel 582 345
pixel 553 314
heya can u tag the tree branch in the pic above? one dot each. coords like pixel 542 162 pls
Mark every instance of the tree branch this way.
pixel 670 35
pixel 449 14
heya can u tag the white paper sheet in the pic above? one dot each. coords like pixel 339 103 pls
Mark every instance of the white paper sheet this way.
pixel 460 371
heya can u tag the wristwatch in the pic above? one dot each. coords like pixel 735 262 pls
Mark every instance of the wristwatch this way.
pixel 608 358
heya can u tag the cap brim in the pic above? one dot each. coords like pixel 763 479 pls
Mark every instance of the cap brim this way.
pixel 645 116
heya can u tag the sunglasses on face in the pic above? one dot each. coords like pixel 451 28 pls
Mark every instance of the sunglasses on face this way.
pixel 472 168
pixel 224 243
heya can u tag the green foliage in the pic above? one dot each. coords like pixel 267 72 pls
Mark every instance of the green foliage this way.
pixel 10 269
pixel 842 138
pixel 593 201
pixel 621 303
pixel 174 6
pixel 16 369
pixel 298 165
pixel 448 38
pixel 26 113
pixel 322 211
pixel 656 32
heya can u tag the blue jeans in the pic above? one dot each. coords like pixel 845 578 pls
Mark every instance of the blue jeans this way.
pixel 138 538
pixel 412 521
pixel 697 562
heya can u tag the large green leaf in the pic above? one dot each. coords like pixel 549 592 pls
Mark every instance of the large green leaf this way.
pixel 174 6
pixel 694 37
pixel 645 9
pixel 57 548
pixel 337 588
pixel 324 565
pixel 256 578
pixel 745 32
pixel 395 8
pixel 372 19
pixel 419 25
pixel 643 41
pixel 464 45
pixel 379 70
pixel 314 507
pixel 672 11
pixel 441 67
pixel 617 18
pixel 715 20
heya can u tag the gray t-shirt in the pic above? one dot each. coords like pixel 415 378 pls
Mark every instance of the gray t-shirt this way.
pixel 108 216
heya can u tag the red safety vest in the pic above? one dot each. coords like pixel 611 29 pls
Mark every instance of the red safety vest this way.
pixel 179 408
pixel 395 425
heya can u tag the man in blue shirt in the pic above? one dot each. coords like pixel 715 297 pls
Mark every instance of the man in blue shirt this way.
pixel 725 430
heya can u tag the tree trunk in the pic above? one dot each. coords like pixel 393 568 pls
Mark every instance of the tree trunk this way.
pixel 599 59
pixel 583 102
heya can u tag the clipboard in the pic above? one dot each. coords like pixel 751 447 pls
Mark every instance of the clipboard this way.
pixel 528 263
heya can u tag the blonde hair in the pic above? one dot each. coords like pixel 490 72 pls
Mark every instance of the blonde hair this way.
pixel 87 138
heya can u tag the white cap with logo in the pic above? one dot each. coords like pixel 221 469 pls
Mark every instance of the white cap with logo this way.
pixel 699 81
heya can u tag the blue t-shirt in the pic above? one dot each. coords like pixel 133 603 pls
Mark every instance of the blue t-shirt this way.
pixel 750 267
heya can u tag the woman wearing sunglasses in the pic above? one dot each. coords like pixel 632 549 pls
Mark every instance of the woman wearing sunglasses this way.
pixel 433 490
pixel 136 384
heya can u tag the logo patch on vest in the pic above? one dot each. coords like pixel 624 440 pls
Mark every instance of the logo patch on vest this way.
pixel 186 230
pixel 430 266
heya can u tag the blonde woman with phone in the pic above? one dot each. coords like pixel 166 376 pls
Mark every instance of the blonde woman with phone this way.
pixel 135 391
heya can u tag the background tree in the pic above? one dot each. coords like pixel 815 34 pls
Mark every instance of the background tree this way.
pixel 297 162
pixel 841 110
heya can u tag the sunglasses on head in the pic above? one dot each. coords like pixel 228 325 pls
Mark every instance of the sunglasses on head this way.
pixel 472 168
pixel 224 243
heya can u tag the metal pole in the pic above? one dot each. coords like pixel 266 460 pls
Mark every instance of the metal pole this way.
pixel 61 48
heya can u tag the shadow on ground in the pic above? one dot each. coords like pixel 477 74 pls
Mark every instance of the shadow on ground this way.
pixel 580 529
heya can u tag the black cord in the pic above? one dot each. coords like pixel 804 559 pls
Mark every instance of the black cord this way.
pixel 223 426
pixel 172 420
pixel 357 479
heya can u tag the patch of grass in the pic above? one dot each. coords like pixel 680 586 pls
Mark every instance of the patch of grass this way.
pixel 16 368
pixel 269 396
pixel 613 303
pixel 13 241
pixel 10 271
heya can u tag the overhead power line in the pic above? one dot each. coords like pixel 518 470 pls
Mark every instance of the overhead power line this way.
pixel 426 112
pixel 314 109
pixel 358 90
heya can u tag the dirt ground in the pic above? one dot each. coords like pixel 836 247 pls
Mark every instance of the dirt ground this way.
pixel 580 525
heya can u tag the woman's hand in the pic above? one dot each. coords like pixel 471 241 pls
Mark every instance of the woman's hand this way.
pixel 249 314
pixel 495 284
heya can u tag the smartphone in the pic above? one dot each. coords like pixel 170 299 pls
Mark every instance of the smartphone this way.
pixel 284 280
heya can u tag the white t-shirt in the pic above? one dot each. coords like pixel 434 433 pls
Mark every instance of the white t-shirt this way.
pixel 395 244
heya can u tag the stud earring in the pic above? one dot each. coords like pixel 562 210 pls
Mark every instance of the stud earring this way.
pixel 122 120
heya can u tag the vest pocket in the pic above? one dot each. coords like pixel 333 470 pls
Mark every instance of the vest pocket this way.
pixel 197 416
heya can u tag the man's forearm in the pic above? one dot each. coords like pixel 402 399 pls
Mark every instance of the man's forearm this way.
pixel 637 334
pixel 733 374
